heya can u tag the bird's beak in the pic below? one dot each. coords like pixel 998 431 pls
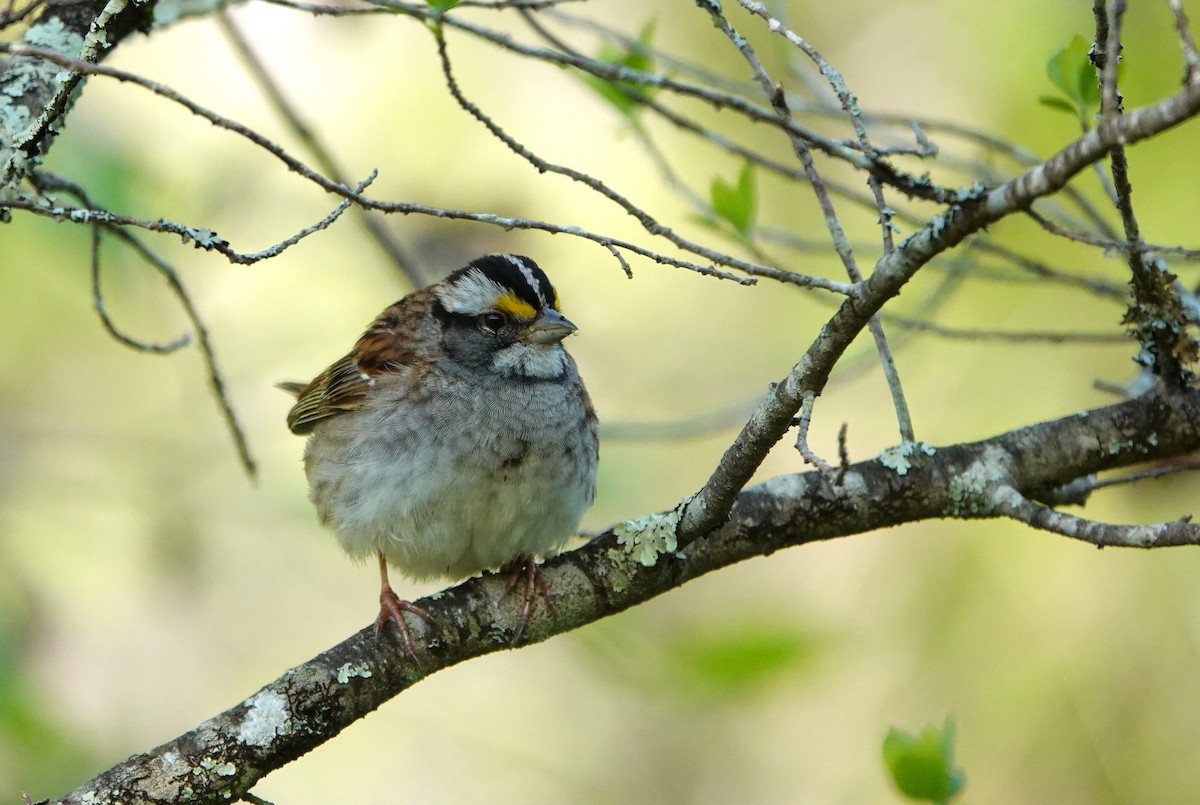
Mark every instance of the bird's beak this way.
pixel 550 328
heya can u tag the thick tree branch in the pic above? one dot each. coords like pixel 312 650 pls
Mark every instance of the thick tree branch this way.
pixel 707 508
pixel 222 758
pixel 724 522
pixel 38 93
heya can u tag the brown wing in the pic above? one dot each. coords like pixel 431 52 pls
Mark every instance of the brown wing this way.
pixel 404 335
pixel 341 387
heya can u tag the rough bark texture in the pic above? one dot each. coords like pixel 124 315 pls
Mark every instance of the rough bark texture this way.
pixel 722 524
pixel 223 757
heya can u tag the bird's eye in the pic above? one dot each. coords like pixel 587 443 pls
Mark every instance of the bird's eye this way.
pixel 492 321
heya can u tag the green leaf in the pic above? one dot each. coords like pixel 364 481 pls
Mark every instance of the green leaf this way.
pixel 741 661
pixel 736 203
pixel 624 95
pixel 922 767
pixel 1072 71
pixel 442 5
pixel 1055 102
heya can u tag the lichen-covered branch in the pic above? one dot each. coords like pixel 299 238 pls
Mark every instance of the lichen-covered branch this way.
pixel 1018 475
pixel 38 93
pixel 1156 315
pixel 222 758
pixel 771 419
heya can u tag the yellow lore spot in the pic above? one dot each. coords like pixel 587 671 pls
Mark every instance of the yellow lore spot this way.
pixel 515 306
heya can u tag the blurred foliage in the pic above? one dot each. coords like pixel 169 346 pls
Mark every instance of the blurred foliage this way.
pixel 623 94
pixel 144 585
pixel 723 667
pixel 724 660
pixel 922 766
pixel 37 751
pixel 1072 71
pixel 735 204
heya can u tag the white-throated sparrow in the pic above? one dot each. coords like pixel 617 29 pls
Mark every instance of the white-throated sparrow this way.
pixel 456 436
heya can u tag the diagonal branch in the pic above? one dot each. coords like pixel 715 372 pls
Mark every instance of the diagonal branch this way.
pixel 707 509
pixel 221 759
pixel 841 243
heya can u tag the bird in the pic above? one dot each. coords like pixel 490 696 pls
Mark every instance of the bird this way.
pixel 455 437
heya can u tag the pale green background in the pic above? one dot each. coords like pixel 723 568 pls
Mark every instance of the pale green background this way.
pixel 146 585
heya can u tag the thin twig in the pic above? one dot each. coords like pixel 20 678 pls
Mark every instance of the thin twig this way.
pixel 1110 244
pixel 102 310
pixel 11 15
pixel 254 799
pixel 1156 313
pixel 200 237
pixel 1003 336
pixel 1161 471
pixel 843 454
pixel 841 243
pixel 207 351
pixel 324 158
pixel 171 277
pixel 208 239
pixel 647 221
pixel 809 455
pixel 1011 503
pixel 919 187
pixel 1191 58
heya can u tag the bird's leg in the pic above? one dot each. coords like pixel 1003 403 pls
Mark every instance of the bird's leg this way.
pixel 392 608
pixel 524 567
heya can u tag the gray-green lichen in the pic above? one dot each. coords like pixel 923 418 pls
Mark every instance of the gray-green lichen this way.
pixel 351 670
pixel 52 34
pixel 1117 445
pixel 897 458
pixel 27 78
pixel 31 89
pixel 267 717
pixel 96 41
pixel 970 490
pixel 647 538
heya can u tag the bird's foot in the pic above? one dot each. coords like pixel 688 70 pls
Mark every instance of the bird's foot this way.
pixel 392 608
pixel 525 569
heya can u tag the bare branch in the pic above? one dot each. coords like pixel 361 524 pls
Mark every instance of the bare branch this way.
pixel 109 325
pixel 321 153
pixel 841 243
pixel 222 758
pixel 44 182
pixel 209 239
pixel 1156 315
pixel 770 421
pixel 1191 58
pixel 1012 503
pixel 804 422
pixel 647 221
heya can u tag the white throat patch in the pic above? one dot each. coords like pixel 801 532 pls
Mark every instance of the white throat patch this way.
pixel 544 361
